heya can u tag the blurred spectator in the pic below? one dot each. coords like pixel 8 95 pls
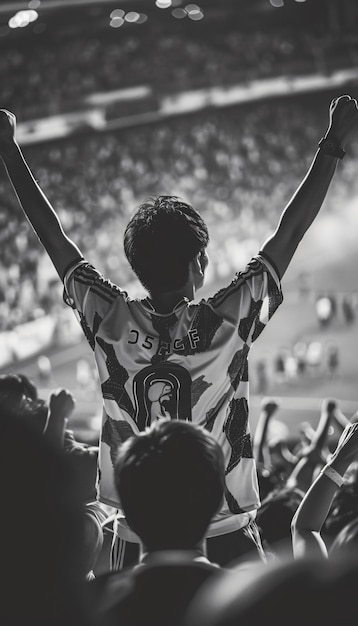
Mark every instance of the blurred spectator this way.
pixel 304 284
pixel 348 310
pixel 19 398
pixel 314 356
pixel 285 476
pixel 44 368
pixel 274 519
pixel 295 592
pixel 42 551
pixel 332 359
pixel 270 447
pixel 280 367
pixel 314 508
pixel 346 542
pixel 170 480
pixel 343 510
pixel 261 377
pixel 261 439
pixel 14 388
pixel 324 310
pixel 313 456
pixel 299 351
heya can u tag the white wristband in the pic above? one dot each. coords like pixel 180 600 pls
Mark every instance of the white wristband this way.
pixel 332 474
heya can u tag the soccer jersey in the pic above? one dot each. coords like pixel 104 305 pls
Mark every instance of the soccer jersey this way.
pixel 190 364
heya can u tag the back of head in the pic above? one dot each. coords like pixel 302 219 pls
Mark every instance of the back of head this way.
pixel 310 592
pixel 343 510
pixel 170 481
pixel 18 397
pixel 275 515
pixel 14 389
pixel 346 542
pixel 161 239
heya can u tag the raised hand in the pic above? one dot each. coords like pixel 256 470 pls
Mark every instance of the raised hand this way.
pixel 347 447
pixel 61 405
pixel 311 514
pixel 270 405
pixel 343 119
pixel 329 405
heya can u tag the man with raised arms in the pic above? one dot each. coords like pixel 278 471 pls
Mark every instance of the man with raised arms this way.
pixel 166 356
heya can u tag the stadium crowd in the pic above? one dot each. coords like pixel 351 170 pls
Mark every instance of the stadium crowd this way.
pixel 54 71
pixel 308 515
pixel 234 166
pixel 237 166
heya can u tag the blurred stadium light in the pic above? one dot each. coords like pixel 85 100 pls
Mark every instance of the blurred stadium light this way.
pixel 18 5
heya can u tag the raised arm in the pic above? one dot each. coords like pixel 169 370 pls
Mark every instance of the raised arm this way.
pixel 261 449
pixel 341 420
pixel 61 405
pixel 38 210
pixel 314 455
pixel 314 508
pixel 305 204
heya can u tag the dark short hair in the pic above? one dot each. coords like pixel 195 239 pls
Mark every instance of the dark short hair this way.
pixel 170 481
pixel 161 239
pixel 14 388
pixel 19 397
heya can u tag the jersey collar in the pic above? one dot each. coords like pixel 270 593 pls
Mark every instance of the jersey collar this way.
pixel 148 304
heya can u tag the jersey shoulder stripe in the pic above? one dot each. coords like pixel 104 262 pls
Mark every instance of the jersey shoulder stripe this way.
pixel 254 268
pixel 88 276
pixel 102 294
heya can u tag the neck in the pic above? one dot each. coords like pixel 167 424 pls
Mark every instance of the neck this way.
pixel 165 302
pixel 147 554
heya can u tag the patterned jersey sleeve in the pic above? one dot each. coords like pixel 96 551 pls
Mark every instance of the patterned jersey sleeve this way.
pixel 90 295
pixel 251 299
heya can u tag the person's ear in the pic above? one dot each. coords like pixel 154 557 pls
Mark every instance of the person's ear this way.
pixel 203 260
pixel 201 263
pixel 198 264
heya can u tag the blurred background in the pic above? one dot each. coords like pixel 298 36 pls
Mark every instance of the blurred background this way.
pixel 222 103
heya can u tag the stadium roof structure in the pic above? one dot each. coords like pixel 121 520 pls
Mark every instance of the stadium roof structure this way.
pixel 335 16
pixel 10 6
pixel 20 5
